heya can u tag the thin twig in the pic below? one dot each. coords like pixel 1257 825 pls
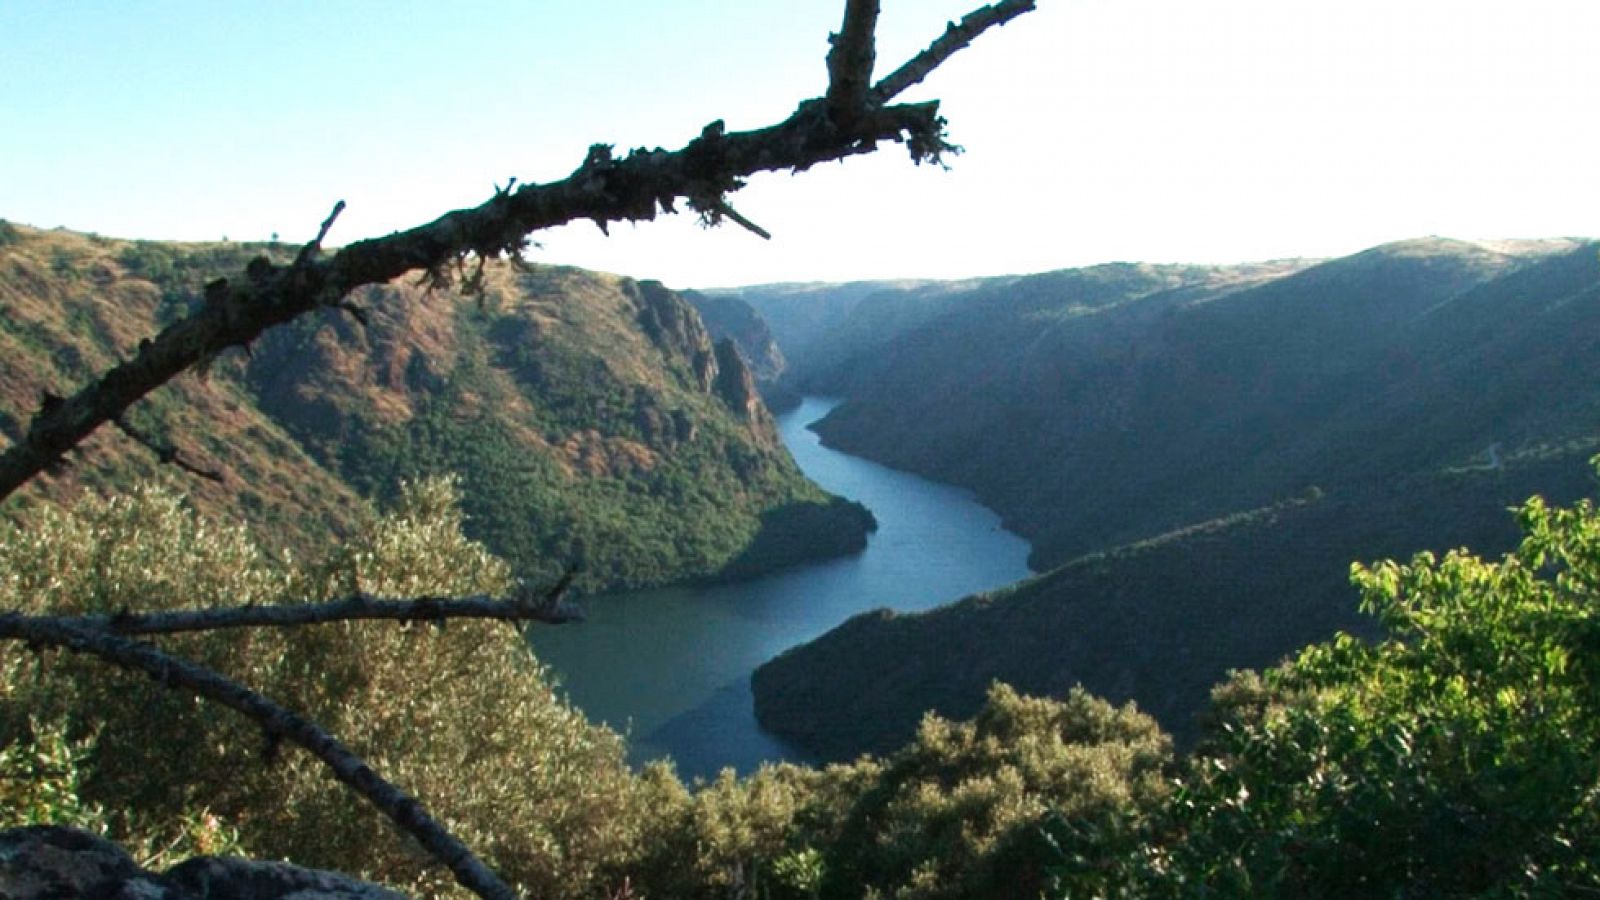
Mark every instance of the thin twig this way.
pixel 955 38
pixel 310 250
pixel 739 219
pixel 279 723
pixel 166 453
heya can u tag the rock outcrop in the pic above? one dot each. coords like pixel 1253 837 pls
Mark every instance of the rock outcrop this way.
pixel 735 386
pixel 727 316
pixel 674 326
pixel 47 862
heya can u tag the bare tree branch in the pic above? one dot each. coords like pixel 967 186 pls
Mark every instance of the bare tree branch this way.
pixel 603 189
pixel 739 219
pixel 850 119
pixel 166 453
pixel 528 607
pixel 310 250
pixel 850 62
pixel 956 37
pixel 279 723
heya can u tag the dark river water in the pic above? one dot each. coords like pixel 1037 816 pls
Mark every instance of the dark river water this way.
pixel 671 668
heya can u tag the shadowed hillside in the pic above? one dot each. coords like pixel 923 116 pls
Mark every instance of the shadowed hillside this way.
pixel 1157 622
pixel 1101 406
pixel 1201 452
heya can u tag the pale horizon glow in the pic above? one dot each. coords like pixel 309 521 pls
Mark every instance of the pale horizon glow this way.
pixel 1096 130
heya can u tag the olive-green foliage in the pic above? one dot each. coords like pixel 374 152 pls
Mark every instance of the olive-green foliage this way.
pixel 465 719
pixel 1459 757
pixel 462 717
pixel 41 777
pixel 956 812
pixel 746 837
pixel 683 518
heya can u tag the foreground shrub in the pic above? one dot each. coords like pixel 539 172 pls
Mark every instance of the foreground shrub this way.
pixel 956 813
pixel 1460 757
pixel 461 717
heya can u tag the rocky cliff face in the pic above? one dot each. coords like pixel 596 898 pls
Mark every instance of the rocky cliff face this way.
pixel 672 324
pixel 591 418
pixel 737 388
pixel 727 316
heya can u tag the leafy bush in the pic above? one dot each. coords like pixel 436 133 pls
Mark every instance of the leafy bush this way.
pixel 1459 757
pixel 736 837
pixel 40 772
pixel 462 717
pixel 956 812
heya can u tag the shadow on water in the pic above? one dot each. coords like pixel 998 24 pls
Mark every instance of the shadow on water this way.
pixel 671 667
pixel 717 734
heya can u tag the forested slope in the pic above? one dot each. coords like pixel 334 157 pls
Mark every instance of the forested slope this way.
pixel 1100 406
pixel 591 418
pixel 1157 622
pixel 1198 454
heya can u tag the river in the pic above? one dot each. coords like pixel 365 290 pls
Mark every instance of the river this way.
pixel 671 667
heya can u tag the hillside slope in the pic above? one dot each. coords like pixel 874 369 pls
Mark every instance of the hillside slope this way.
pixel 1158 622
pixel 591 419
pixel 1096 407
pixel 76 304
pixel 727 317
pixel 1198 454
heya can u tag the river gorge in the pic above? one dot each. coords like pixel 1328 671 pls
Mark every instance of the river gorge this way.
pixel 671 667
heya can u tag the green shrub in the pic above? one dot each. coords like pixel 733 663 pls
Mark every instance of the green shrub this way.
pixel 40 772
pixel 461 717
pixel 41 777
pixel 956 813
pixel 1459 757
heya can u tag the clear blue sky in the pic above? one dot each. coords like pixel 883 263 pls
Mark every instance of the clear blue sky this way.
pixel 1161 130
